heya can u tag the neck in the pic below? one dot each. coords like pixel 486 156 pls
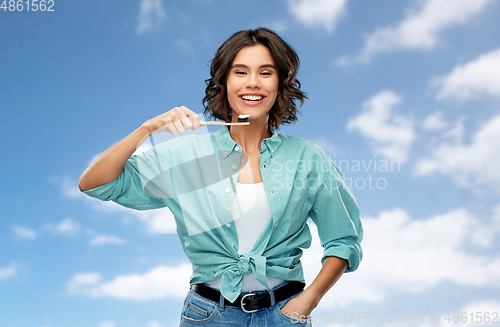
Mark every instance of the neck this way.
pixel 250 136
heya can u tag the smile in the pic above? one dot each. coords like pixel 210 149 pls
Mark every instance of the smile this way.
pixel 252 97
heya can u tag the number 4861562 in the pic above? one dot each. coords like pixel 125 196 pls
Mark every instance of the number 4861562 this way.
pixel 27 5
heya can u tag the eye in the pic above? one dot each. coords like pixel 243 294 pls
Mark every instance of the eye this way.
pixel 267 73
pixel 239 72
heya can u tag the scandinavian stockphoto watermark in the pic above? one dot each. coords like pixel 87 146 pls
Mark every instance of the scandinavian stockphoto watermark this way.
pixel 375 166
pixel 287 173
pixel 361 317
pixel 27 5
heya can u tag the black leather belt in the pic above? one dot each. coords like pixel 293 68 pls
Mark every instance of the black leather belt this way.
pixel 252 302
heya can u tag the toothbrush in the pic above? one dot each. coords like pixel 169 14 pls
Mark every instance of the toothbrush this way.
pixel 242 120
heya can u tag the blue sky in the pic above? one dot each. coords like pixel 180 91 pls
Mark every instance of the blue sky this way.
pixel 415 84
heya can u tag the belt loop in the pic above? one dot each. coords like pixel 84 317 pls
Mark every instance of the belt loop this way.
pixel 221 302
pixel 271 293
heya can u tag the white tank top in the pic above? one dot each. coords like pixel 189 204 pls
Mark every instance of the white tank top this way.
pixel 251 213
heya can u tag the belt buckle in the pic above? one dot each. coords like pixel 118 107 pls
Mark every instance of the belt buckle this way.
pixel 243 304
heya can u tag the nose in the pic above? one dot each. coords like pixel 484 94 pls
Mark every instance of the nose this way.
pixel 252 81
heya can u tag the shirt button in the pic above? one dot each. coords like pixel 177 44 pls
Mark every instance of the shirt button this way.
pixel 237 148
pixel 264 165
pixel 234 167
pixel 228 225
pixel 272 150
pixel 272 191
pixel 264 141
pixel 227 190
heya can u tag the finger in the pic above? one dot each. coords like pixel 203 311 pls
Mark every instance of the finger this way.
pixel 196 121
pixel 187 123
pixel 174 124
pixel 183 116
pixel 178 126
pixel 181 122
pixel 171 128
pixel 194 116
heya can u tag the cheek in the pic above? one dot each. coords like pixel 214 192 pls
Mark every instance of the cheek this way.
pixel 231 87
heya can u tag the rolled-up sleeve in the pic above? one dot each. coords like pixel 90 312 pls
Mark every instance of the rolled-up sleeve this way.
pixel 336 215
pixel 128 189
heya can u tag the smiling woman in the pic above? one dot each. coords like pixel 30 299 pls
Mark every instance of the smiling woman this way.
pixel 244 242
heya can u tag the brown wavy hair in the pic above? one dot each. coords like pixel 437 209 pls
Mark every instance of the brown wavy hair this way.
pixel 284 110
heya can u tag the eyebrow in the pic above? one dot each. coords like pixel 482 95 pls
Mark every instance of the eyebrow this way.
pixel 245 66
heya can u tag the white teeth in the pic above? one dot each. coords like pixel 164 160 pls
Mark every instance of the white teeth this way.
pixel 252 97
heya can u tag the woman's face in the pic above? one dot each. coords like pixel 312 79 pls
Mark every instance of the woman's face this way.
pixel 252 83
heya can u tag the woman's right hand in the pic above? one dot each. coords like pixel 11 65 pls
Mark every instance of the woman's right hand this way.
pixel 174 121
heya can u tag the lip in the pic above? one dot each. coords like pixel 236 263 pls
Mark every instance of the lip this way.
pixel 252 103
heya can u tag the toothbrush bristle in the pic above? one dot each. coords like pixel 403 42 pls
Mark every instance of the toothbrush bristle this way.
pixel 243 118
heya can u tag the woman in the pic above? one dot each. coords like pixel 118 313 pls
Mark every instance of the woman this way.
pixel 244 241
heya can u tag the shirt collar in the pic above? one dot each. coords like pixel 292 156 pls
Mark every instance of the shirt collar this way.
pixel 227 144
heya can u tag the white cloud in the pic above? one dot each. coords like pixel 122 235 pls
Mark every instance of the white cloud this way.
pixel 389 133
pixel 158 283
pixel 66 227
pixel 456 131
pixel 420 29
pixel 468 164
pixel 473 79
pixel 485 306
pixel 106 239
pixel 7 272
pixel 23 233
pixel 317 13
pixel 435 121
pixel 417 255
pixel 150 16
pixel 70 188
pixel 159 221
pixel 80 281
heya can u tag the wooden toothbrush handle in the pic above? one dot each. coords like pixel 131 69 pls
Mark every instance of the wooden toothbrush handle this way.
pixel 221 123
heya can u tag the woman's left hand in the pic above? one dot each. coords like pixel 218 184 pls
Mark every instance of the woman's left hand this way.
pixel 301 306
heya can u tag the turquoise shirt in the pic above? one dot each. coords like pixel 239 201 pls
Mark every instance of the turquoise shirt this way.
pixel 195 177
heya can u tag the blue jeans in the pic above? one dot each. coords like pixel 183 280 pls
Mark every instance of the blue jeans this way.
pixel 198 310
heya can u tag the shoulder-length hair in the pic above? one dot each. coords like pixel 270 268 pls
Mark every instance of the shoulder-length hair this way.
pixel 284 110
